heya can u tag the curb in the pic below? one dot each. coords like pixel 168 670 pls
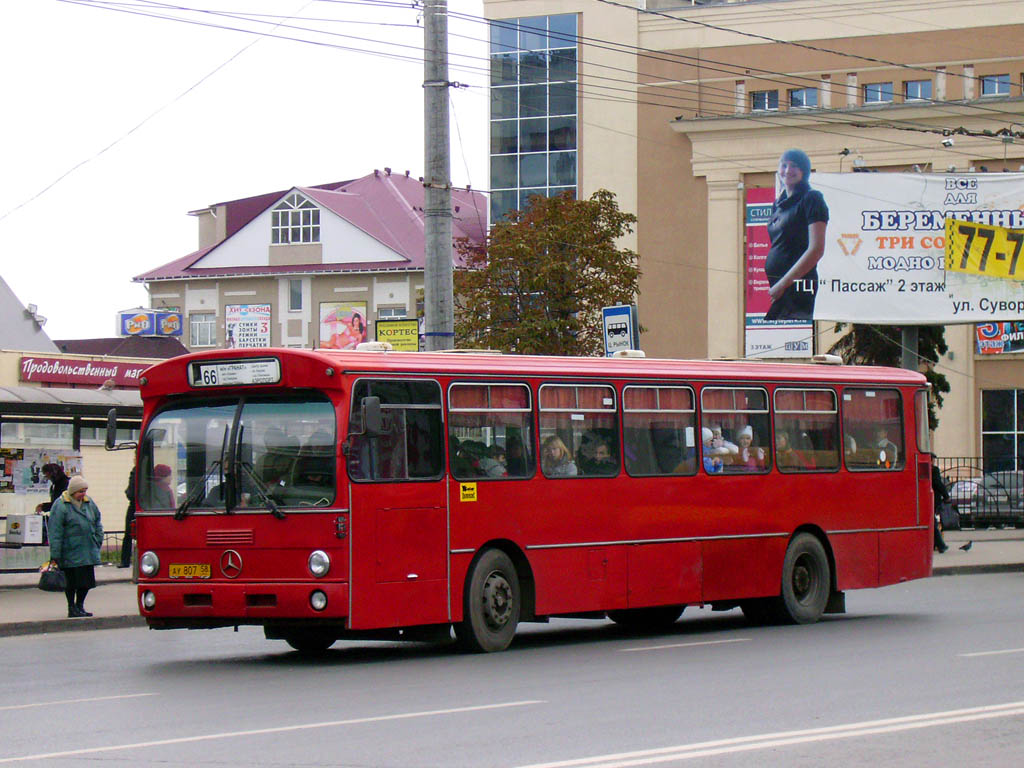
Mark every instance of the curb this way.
pixel 69 625
pixel 967 570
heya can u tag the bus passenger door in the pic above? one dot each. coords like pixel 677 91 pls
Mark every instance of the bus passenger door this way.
pixel 399 536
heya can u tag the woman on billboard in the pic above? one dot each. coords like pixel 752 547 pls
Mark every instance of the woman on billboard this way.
pixel 797 232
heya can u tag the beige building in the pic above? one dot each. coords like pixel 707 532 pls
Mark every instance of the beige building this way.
pixel 309 266
pixel 680 108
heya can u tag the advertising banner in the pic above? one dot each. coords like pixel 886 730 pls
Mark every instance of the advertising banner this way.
pixel 402 335
pixel 247 325
pixel 999 338
pixel 767 338
pixel 150 323
pixel 342 324
pixel 885 248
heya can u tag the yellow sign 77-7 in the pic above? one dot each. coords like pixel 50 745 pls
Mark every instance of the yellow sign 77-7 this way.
pixel 979 249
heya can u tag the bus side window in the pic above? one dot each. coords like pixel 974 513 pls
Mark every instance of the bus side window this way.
pixel 806 429
pixel 412 444
pixel 490 431
pixel 738 420
pixel 658 430
pixel 874 419
pixel 581 417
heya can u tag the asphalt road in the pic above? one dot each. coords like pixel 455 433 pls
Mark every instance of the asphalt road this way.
pixel 927 673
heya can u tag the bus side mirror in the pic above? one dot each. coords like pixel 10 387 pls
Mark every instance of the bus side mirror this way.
pixel 111 429
pixel 373 419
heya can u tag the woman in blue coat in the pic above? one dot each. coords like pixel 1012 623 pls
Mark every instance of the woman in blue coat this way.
pixel 76 535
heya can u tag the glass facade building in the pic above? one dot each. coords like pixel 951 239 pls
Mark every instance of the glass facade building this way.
pixel 534 110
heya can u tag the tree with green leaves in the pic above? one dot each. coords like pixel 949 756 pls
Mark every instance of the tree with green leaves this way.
pixel 539 284
pixel 882 345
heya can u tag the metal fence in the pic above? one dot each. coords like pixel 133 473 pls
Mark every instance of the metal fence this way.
pixel 983 496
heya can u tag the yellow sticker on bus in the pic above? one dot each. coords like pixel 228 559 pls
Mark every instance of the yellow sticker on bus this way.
pixel 467 491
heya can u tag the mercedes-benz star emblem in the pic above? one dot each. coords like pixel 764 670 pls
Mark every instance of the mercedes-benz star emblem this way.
pixel 231 564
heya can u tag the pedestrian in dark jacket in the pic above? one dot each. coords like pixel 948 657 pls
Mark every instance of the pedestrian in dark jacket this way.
pixel 941 497
pixel 76 535
pixel 129 519
pixel 58 484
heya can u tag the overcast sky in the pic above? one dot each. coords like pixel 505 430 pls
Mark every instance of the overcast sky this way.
pixel 81 78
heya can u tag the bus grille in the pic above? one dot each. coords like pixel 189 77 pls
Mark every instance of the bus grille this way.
pixel 228 538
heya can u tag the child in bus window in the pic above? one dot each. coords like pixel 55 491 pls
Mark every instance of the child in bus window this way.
pixel 712 458
pixel 556 461
pixel 749 456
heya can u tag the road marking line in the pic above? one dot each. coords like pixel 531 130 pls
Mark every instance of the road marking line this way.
pixel 784 738
pixel 990 653
pixel 685 645
pixel 75 701
pixel 264 731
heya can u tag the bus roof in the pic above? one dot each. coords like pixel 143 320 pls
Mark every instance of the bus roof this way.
pixel 171 376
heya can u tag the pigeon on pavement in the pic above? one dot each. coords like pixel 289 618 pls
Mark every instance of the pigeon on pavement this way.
pixel 966 547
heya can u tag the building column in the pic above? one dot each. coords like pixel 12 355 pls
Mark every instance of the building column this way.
pixel 725 263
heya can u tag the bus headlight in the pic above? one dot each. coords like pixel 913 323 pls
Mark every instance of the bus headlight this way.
pixel 319 563
pixel 148 600
pixel 149 563
pixel 318 600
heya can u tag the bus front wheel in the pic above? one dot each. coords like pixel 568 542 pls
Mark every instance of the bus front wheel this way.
pixel 806 580
pixel 492 604
pixel 309 641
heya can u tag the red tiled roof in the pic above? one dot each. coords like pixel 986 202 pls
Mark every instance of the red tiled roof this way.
pixel 387 207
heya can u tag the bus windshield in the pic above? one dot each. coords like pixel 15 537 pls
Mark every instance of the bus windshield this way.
pixel 253 453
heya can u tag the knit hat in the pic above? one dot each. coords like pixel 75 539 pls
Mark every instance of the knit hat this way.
pixel 800 159
pixel 706 434
pixel 747 431
pixel 77 483
pixel 161 470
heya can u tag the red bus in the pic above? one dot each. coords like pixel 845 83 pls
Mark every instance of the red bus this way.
pixel 376 494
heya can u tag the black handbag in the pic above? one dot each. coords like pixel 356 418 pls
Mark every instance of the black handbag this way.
pixel 949 516
pixel 53 580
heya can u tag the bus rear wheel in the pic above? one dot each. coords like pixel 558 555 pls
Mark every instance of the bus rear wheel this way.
pixel 647 619
pixel 806 580
pixel 492 604
pixel 310 641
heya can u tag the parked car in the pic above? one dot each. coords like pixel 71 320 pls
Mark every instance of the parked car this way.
pixel 995 498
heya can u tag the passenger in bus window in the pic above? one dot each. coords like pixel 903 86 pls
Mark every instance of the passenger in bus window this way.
pixel 556 461
pixel 712 458
pixel 719 445
pixel 492 463
pixel 598 459
pixel 159 494
pixel 750 457
pixel 786 456
pixel 515 459
pixel 886 449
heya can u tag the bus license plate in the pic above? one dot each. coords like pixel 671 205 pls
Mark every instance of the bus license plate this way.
pixel 190 570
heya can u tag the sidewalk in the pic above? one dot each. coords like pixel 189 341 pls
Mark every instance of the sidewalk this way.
pixel 24 610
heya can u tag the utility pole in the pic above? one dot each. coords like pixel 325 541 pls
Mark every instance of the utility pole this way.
pixel 439 313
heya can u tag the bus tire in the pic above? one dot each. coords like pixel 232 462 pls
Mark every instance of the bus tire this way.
pixel 491 606
pixel 647 619
pixel 806 580
pixel 309 641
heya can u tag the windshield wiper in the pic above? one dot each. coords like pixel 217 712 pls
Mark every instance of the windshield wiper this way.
pixel 198 491
pixel 262 490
